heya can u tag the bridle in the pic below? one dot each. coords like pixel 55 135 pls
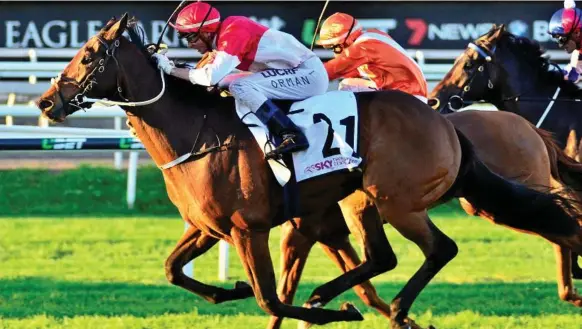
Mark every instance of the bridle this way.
pixel 456 102
pixel 81 101
pixel 85 86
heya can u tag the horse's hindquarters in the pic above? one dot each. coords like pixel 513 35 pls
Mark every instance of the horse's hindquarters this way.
pixel 411 153
pixel 507 144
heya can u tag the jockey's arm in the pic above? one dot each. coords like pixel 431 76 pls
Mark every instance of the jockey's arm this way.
pixel 209 74
pixel 574 68
pixel 346 64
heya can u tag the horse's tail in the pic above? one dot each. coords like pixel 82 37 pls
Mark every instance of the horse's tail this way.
pixel 563 168
pixel 511 203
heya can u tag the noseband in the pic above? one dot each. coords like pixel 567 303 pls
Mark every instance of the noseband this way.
pixel 79 101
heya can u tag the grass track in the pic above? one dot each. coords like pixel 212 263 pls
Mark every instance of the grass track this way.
pixel 108 273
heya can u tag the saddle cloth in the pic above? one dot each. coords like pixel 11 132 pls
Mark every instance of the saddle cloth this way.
pixel 330 123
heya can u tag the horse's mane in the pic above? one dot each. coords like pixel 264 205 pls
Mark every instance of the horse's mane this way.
pixel 532 53
pixel 179 88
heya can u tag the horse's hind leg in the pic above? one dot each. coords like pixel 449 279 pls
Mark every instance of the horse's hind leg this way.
pixel 566 289
pixel 192 244
pixel 438 249
pixel 253 250
pixel 295 248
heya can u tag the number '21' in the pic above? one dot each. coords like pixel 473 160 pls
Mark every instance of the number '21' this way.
pixel 349 122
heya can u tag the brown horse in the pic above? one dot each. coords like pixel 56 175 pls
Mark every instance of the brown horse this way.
pixel 413 158
pixel 507 143
pixel 515 75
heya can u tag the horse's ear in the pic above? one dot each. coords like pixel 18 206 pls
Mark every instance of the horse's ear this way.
pixel 117 29
pixel 571 147
pixel 496 32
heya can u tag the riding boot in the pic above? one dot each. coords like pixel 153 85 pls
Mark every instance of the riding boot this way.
pixel 279 124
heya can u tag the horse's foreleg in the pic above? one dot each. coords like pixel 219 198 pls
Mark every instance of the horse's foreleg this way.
pixel 295 248
pixel 346 258
pixel 192 244
pixel 364 222
pixel 343 254
pixel 566 289
pixel 253 250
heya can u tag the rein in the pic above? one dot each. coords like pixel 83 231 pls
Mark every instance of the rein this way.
pixel 81 101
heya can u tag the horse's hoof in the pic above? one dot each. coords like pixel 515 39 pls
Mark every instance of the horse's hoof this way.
pixel 242 290
pixel 304 325
pixel 242 285
pixel 431 327
pixel 353 313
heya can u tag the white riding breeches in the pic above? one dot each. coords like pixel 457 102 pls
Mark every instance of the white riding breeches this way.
pixel 359 85
pixel 356 84
pixel 253 89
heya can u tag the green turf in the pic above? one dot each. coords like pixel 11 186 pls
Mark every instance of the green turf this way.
pixel 108 273
pixel 92 191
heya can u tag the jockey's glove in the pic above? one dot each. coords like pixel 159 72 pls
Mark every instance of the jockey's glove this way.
pixel 164 63
pixel 571 74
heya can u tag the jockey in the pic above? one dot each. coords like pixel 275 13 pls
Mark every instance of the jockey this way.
pixel 565 27
pixel 275 65
pixel 369 60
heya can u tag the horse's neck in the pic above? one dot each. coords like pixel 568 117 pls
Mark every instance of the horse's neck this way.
pixel 165 128
pixel 541 93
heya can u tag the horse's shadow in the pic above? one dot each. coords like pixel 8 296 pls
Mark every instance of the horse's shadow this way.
pixel 26 297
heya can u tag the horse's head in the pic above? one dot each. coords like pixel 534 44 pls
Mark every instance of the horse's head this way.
pixel 95 71
pixel 480 72
pixel 500 68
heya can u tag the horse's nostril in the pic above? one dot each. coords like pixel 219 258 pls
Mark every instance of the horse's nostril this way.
pixel 44 104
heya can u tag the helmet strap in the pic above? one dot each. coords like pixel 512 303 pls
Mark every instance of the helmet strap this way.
pixel 204 19
pixel 574 26
pixel 350 30
pixel 337 49
pixel 197 34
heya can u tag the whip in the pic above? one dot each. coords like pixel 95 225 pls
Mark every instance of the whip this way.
pixel 318 22
pixel 168 22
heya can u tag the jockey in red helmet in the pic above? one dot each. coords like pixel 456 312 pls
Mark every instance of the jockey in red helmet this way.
pixel 278 66
pixel 565 27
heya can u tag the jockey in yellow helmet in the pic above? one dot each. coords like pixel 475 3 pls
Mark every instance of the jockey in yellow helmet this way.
pixel 368 60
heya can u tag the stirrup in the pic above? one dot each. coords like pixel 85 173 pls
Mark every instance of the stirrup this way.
pixel 288 145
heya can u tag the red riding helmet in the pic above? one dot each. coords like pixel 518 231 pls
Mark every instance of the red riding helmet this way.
pixel 197 17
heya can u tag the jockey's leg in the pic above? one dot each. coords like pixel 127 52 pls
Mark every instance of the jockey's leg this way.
pixel 356 85
pixel 293 139
pixel 255 91
pixel 422 98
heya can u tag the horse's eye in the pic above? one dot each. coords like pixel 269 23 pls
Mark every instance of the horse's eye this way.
pixel 88 58
pixel 468 65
